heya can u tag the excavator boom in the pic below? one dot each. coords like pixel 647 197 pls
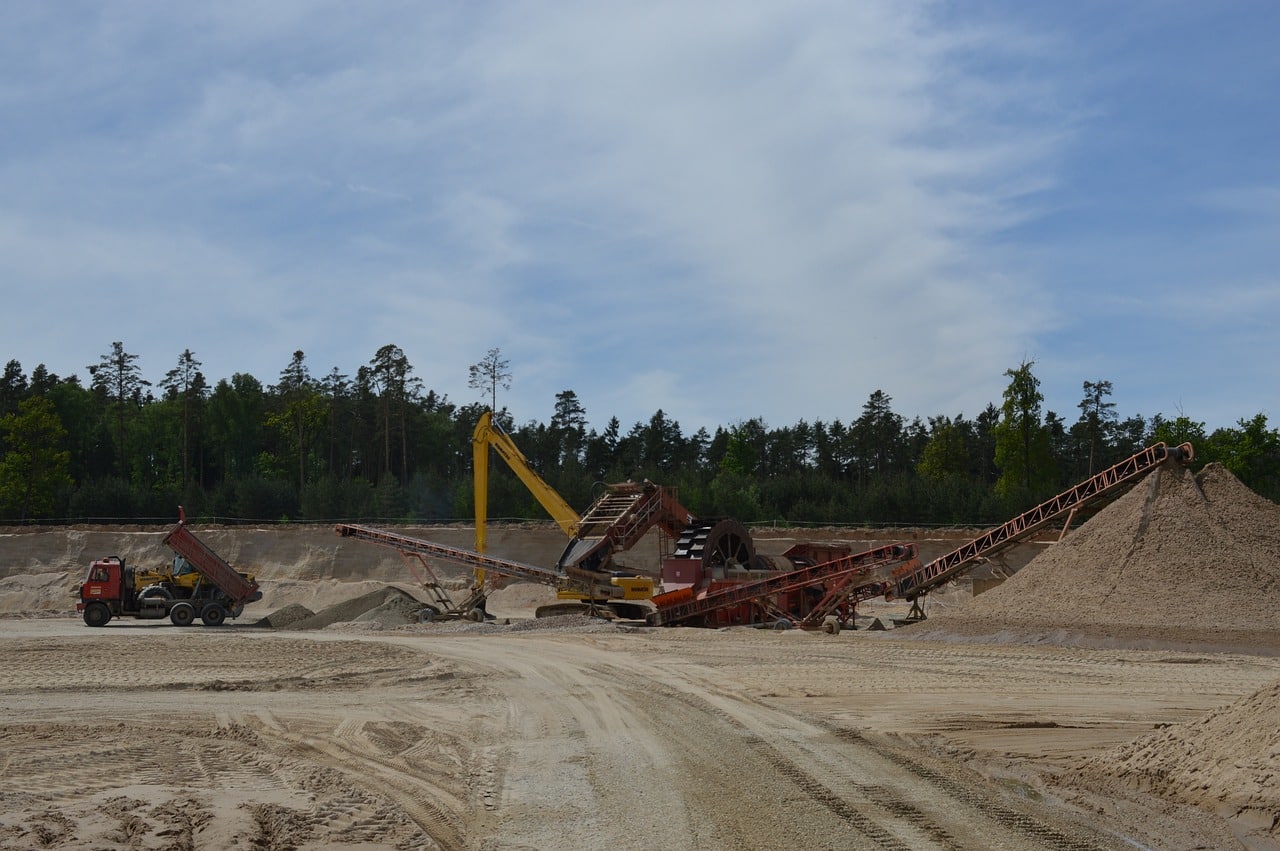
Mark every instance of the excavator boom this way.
pixel 488 435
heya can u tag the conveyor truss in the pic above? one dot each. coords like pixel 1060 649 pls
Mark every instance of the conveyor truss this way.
pixel 421 550
pixel 912 583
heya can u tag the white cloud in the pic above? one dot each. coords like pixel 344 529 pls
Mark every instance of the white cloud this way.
pixel 716 209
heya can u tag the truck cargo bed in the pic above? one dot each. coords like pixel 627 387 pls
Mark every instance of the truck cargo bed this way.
pixel 210 564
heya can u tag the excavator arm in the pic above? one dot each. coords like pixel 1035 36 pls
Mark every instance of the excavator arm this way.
pixel 615 521
pixel 489 435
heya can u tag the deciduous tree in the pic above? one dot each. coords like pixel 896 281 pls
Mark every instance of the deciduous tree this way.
pixel 35 466
pixel 1022 441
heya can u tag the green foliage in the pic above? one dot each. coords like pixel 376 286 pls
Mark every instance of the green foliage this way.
pixel 331 498
pixel 381 447
pixel 1022 448
pixel 735 495
pixel 1178 431
pixel 945 458
pixel 1251 451
pixel 34 467
pixel 263 499
pixel 390 502
pixel 105 500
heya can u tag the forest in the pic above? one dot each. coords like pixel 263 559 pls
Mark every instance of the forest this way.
pixel 379 446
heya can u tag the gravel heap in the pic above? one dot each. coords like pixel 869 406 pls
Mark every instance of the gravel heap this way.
pixel 386 607
pixel 1178 553
pixel 392 608
pixel 284 617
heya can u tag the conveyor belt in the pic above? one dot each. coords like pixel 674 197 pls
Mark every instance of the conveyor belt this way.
pixel 913 583
pixel 466 558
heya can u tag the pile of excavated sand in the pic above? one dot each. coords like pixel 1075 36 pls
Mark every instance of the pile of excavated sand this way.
pixel 395 608
pixel 384 608
pixel 285 617
pixel 1179 554
pixel 1227 762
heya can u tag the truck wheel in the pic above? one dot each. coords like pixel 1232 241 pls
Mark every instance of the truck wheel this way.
pixel 213 615
pixel 182 614
pixel 97 614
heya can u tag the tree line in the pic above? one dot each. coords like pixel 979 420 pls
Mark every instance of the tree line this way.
pixel 380 446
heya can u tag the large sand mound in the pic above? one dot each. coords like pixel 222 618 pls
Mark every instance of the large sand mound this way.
pixel 1226 762
pixel 1179 553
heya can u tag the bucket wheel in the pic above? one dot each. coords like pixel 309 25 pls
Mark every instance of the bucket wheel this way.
pixel 718 544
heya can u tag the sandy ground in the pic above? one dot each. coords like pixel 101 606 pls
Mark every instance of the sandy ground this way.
pixel 329 717
pixel 579 735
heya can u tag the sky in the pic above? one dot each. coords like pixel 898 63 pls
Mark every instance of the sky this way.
pixel 723 211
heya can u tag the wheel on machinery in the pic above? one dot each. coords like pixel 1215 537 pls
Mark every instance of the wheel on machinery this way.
pixel 182 614
pixel 213 614
pixel 97 614
pixel 831 625
pixel 155 592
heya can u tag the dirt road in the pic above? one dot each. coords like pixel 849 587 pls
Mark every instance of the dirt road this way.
pixel 142 735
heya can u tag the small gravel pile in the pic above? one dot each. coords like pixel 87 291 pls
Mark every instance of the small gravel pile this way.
pixel 387 607
pixel 285 617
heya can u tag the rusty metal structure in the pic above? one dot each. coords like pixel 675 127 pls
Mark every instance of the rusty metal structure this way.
pixel 770 595
pixel 713 575
pixel 913 583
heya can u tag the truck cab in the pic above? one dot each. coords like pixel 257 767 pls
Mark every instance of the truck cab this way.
pixel 104 581
pixel 199 583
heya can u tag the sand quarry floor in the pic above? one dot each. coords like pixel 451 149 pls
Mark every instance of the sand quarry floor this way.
pixel 328 717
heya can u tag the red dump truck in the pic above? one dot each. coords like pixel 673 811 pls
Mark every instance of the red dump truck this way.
pixel 200 584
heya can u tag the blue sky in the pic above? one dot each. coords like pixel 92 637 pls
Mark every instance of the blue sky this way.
pixel 721 210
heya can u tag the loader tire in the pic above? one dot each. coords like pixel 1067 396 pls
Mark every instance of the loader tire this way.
pixel 182 614
pixel 97 614
pixel 213 615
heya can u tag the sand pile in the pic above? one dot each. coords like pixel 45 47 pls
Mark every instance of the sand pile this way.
pixel 1228 762
pixel 393 608
pixel 285 617
pixel 1179 553
pixel 384 608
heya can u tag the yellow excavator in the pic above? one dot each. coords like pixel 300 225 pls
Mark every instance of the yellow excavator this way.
pixel 624 594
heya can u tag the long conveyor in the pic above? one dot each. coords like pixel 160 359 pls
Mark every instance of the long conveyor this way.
pixel 911 583
pixel 466 558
